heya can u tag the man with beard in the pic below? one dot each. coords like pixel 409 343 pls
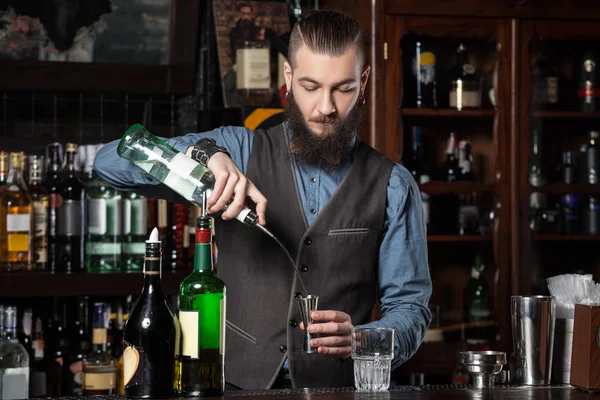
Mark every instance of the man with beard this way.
pixel 351 218
pixel 244 29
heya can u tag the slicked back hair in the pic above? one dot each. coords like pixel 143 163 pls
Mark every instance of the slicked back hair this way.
pixel 327 33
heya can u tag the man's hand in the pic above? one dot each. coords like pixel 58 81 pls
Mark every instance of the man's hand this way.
pixel 231 183
pixel 335 333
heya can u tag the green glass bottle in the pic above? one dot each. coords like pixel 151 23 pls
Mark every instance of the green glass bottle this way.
pixel 200 370
pixel 477 300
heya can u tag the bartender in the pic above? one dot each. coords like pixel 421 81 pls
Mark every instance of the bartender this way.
pixel 352 219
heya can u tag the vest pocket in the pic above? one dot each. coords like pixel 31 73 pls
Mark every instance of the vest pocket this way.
pixel 240 332
pixel 349 231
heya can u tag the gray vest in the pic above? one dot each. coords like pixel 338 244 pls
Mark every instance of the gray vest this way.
pixel 338 255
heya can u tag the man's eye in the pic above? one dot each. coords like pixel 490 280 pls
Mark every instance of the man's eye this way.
pixel 310 89
pixel 346 90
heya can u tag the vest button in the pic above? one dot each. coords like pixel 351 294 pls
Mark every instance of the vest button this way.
pixel 282 348
pixel 304 268
pixel 293 323
pixel 308 241
pixel 313 211
pixel 313 180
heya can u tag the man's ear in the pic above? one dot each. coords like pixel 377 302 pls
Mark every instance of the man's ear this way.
pixel 287 73
pixel 364 78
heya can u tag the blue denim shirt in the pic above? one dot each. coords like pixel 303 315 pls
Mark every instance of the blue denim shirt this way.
pixel 403 272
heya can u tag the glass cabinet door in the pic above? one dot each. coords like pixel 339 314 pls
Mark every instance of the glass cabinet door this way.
pixel 560 151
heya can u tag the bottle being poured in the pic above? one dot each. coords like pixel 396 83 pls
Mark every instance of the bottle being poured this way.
pixel 179 172
pixel 190 179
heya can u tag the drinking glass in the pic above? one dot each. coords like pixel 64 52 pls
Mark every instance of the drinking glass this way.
pixel 372 352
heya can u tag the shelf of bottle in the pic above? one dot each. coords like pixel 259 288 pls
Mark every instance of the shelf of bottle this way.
pixel 41 284
pixel 459 238
pixel 447 112
pixel 565 114
pixel 458 187
pixel 568 238
pixel 568 188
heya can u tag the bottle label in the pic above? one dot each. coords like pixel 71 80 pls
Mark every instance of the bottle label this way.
pixel 102 249
pixel 162 213
pixel 460 99
pixel 38 349
pixel 96 216
pixel 17 222
pixel 99 336
pixel 253 69
pixel 134 248
pixel 40 224
pixel 100 378
pixel 180 167
pixel 69 218
pixel 552 90
pixel 425 67
pixel 133 361
pixel 14 383
pixel 189 321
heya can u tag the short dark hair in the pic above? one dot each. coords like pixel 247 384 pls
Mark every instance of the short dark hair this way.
pixel 327 32
pixel 242 5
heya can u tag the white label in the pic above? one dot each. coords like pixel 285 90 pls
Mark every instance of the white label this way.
pixel 134 248
pixel 38 349
pixel 460 99
pixel 97 216
pixel 102 249
pixel 182 164
pixel 17 222
pixel 40 217
pixel 181 185
pixel 189 332
pixel 14 384
pixel 253 69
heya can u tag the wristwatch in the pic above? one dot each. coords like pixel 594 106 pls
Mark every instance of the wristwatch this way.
pixel 205 148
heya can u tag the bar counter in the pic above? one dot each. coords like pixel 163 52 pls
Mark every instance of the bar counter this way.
pixel 427 392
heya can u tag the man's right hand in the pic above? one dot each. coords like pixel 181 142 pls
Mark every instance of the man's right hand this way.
pixel 230 182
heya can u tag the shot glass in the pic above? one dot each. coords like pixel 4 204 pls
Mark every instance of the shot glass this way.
pixel 372 352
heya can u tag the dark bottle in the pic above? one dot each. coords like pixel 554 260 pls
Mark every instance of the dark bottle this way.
pixel 569 203
pixel 537 178
pixel 424 71
pixel 24 333
pixel 465 161
pixel 591 164
pixel 477 306
pixel 70 217
pixel 450 170
pixel 80 345
pixel 468 210
pixel 568 170
pixel 590 216
pixel 544 79
pixel 38 380
pixel 57 350
pixel 589 90
pixel 52 183
pixel 200 369
pixel 465 90
pixel 151 334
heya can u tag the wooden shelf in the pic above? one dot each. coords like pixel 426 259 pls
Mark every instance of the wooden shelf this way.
pixel 567 238
pixel 567 188
pixel 428 112
pixel 459 238
pixel 460 187
pixel 38 284
pixel 564 114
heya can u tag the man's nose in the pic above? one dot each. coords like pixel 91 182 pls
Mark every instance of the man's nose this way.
pixel 326 106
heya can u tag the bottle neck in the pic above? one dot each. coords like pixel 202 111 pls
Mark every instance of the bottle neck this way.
pixel 99 337
pixel 70 168
pixel 203 256
pixel 15 177
pixel 153 267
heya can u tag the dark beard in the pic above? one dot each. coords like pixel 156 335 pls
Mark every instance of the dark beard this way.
pixel 332 148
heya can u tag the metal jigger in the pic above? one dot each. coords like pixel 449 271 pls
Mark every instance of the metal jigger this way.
pixel 307 304
pixel 483 366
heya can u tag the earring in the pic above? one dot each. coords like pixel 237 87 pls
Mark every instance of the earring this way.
pixel 287 94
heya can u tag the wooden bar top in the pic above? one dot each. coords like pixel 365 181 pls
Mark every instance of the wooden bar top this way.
pixel 428 392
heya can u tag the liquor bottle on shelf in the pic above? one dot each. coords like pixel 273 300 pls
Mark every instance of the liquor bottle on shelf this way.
pixel 56 349
pixel 414 159
pixel 424 71
pixel 24 332
pixel 14 360
pixel 16 221
pixel 104 220
pixel 202 299
pixel 544 78
pixel 80 345
pixel 151 334
pixel 589 89
pixel 38 381
pixel 52 184
pixel 135 230
pixel 177 236
pixel 537 178
pixel 590 215
pixel 99 367
pixel 477 304
pixel 3 169
pixel 569 203
pixel 591 162
pixel 71 217
pixel 465 91
pixel 40 199
pixel 468 210
pixel 465 161
pixel 450 170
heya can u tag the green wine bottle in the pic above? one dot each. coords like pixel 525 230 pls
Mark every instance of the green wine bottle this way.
pixel 477 300
pixel 200 369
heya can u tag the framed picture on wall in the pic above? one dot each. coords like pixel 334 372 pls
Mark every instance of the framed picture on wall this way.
pixel 252 42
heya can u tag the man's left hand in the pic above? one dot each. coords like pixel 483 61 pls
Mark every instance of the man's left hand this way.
pixel 334 329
